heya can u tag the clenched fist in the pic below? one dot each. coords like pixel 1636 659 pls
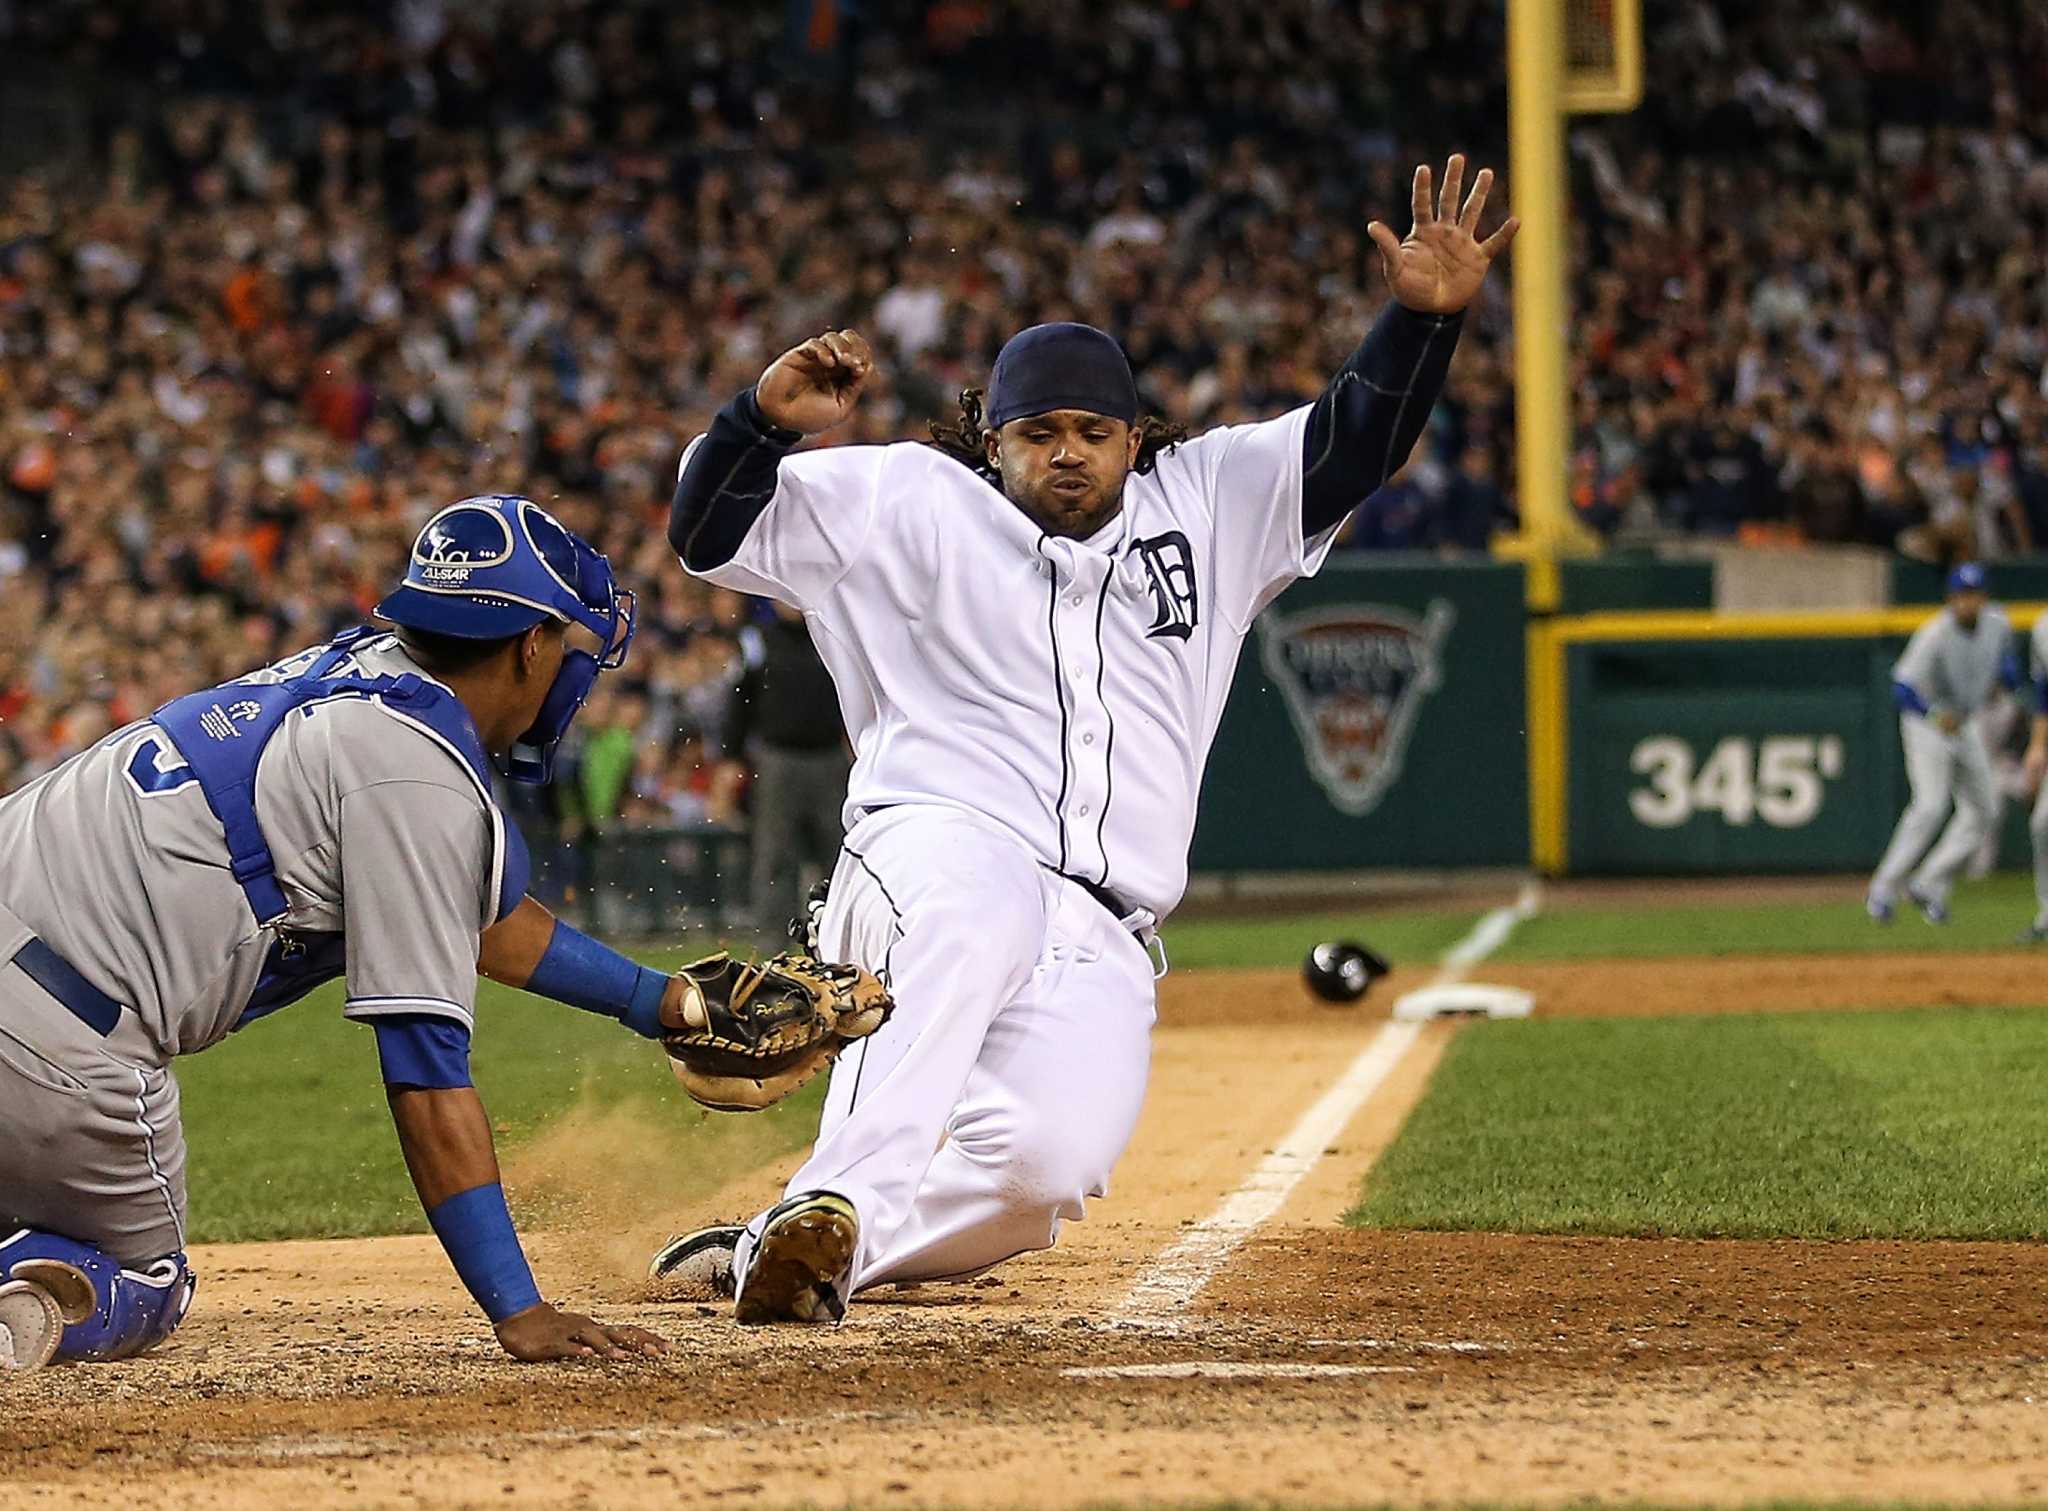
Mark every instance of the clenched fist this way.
pixel 814 386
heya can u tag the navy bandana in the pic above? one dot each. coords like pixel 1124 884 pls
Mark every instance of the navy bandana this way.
pixel 1063 365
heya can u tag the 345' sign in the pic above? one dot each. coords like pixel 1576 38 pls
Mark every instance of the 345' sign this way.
pixel 1781 779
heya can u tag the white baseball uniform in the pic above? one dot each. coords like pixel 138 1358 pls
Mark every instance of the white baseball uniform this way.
pixel 1031 716
pixel 2037 823
pixel 1953 670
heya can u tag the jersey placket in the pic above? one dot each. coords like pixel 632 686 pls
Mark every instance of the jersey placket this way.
pixel 1078 582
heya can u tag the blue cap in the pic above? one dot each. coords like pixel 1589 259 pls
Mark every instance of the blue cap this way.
pixel 1063 365
pixel 1967 578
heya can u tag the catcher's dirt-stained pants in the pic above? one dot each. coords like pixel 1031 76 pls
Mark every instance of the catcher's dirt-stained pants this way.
pixel 1938 767
pixel 1007 1081
pixel 90 1142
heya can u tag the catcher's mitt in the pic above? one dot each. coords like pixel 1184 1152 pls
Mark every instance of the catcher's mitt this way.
pixel 757 1030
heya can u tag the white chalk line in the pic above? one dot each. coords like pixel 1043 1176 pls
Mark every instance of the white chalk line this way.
pixel 1222 1369
pixel 1178 1275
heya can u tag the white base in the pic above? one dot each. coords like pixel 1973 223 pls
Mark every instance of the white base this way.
pixel 1463 999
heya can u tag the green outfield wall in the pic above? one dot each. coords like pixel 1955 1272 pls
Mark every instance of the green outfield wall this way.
pixel 1376 721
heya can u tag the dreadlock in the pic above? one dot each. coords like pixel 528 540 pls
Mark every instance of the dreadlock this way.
pixel 964 441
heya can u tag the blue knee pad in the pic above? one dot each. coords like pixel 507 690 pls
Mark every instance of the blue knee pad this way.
pixel 110 1312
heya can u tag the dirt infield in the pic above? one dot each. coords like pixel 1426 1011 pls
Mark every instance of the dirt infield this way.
pixel 1322 1366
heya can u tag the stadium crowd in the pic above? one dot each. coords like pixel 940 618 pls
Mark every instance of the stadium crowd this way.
pixel 323 266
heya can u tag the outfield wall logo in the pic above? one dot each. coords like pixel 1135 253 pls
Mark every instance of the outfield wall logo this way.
pixel 1354 676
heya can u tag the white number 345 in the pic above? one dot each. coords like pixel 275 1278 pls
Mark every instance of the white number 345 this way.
pixel 1778 779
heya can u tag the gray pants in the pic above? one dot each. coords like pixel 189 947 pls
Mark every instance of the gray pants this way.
pixel 2037 827
pixel 90 1142
pixel 1939 768
pixel 797 798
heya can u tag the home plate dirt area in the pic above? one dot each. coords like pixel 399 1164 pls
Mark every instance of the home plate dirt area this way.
pixel 1319 1365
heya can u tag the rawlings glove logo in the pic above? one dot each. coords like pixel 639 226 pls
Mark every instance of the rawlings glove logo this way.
pixel 1353 677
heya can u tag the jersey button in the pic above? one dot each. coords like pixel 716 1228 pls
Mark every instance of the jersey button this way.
pixel 1084 810
pixel 1087 739
pixel 1074 602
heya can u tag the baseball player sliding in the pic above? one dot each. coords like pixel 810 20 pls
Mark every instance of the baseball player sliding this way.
pixel 1948 671
pixel 1032 626
pixel 329 816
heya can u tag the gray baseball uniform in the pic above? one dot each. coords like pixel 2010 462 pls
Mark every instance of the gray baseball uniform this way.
pixel 374 822
pixel 1953 670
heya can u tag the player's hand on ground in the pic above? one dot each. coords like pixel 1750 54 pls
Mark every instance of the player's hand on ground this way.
pixel 814 386
pixel 1438 268
pixel 541 1333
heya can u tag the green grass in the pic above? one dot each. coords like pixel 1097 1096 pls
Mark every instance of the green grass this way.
pixel 1984 915
pixel 1898 1124
pixel 1405 937
pixel 289 1136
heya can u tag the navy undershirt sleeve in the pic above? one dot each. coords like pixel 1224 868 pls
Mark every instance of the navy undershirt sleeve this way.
pixel 1367 419
pixel 726 484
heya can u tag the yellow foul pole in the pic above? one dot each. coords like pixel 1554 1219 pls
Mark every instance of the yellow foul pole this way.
pixel 1537 189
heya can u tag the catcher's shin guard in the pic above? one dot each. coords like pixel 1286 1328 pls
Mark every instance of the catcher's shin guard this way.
pixel 109 1310
pixel 802 1263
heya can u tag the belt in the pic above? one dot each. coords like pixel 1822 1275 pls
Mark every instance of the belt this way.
pixel 60 978
pixel 1118 908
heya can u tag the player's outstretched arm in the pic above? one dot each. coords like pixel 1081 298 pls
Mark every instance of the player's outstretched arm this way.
pixel 1369 417
pixel 728 476
pixel 446 1137
pixel 532 949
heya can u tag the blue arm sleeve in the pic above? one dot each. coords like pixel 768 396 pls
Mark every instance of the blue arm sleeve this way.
pixel 2009 673
pixel 726 484
pixel 576 969
pixel 1908 698
pixel 423 1050
pixel 475 1227
pixel 1370 415
pixel 2041 694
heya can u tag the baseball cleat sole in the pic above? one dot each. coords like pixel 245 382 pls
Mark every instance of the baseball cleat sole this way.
pixel 698 1266
pixel 31 1326
pixel 801 1263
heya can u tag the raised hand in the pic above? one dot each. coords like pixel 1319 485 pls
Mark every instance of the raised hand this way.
pixel 814 386
pixel 1438 268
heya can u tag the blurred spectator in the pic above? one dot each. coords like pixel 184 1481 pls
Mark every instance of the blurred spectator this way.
pixel 786 724
pixel 325 268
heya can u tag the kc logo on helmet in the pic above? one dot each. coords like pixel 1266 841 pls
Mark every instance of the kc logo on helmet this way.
pixel 459 541
pixel 1354 677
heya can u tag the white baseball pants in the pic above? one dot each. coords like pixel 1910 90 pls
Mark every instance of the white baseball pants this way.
pixel 1940 769
pixel 1009 1078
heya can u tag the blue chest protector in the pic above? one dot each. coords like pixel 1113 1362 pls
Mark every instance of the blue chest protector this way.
pixel 221 734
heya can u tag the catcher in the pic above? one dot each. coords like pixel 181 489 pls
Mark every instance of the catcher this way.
pixel 332 815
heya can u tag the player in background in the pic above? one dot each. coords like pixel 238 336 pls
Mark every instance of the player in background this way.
pixel 2035 765
pixel 1032 626
pixel 329 816
pixel 1950 668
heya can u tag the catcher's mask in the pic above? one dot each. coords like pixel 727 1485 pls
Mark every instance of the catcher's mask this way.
pixel 491 566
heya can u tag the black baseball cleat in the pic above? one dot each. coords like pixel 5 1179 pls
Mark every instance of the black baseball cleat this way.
pixel 802 1263
pixel 698 1265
